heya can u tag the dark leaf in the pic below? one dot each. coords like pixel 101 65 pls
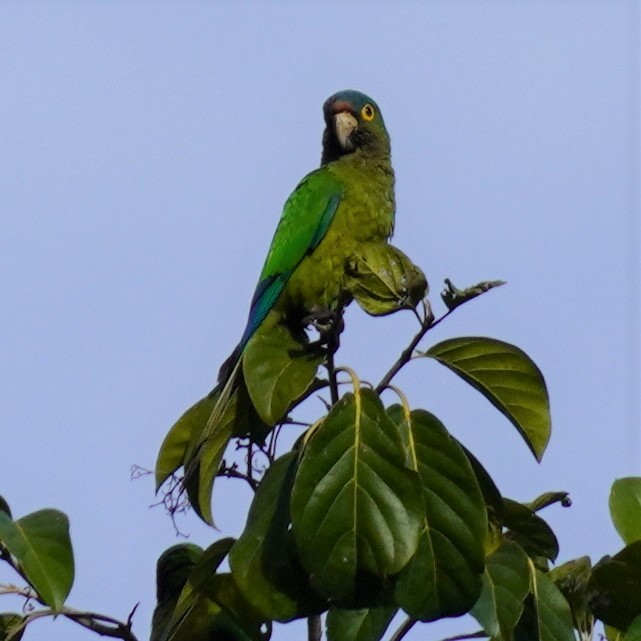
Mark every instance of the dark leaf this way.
pixel 491 495
pixel 355 506
pixel 507 377
pixel 4 507
pixel 40 543
pixel 260 560
pixel 614 590
pixel 530 531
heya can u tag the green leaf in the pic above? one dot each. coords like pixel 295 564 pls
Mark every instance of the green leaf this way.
pixel 633 633
pixel 615 587
pixel 40 543
pixel 444 576
pixel 506 583
pixel 530 531
pixel 453 297
pixel 12 626
pixel 507 377
pixel 359 625
pixel 183 432
pixel 4 506
pixel 382 280
pixel 277 370
pixel 549 498
pixel 491 495
pixel 625 508
pixel 546 616
pixel 355 506
pixel 572 579
pixel 260 560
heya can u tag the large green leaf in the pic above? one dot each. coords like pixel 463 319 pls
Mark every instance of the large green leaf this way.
pixel 382 280
pixel 507 377
pixel 615 587
pixel 260 560
pixel 625 508
pixel 182 433
pixel 444 576
pixel 359 625
pixel 547 615
pixel 529 530
pixel 506 583
pixel 277 370
pixel 40 543
pixel 12 626
pixel 355 506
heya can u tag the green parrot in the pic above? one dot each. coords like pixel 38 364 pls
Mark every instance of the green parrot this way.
pixel 345 204
pixel 172 571
pixel 348 201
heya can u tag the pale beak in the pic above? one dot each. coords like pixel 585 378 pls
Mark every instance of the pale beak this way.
pixel 345 124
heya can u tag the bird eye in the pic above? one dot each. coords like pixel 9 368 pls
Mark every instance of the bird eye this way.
pixel 367 112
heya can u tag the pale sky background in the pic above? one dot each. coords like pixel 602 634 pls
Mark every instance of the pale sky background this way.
pixel 146 149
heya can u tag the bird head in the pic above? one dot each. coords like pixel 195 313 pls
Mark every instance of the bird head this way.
pixel 353 121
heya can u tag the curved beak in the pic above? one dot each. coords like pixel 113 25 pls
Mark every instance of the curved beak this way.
pixel 345 124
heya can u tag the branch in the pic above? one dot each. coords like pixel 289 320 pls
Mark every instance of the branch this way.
pixel 102 624
pixel 480 634
pixel 314 631
pixel 406 355
pixel 404 628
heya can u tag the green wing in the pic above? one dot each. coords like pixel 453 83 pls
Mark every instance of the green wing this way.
pixel 306 217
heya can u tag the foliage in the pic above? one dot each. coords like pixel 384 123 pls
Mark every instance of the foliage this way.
pixel 377 509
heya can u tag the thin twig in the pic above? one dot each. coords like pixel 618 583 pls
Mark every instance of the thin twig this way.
pixel 480 634
pixel 404 628
pixel 406 355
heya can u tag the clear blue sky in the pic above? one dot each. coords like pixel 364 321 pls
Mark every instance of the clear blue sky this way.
pixel 146 149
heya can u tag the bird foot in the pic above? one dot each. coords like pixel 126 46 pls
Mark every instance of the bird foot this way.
pixel 329 324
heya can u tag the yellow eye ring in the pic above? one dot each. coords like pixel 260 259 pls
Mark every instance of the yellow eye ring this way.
pixel 367 112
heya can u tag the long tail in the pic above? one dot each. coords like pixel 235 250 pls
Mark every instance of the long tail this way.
pixel 227 385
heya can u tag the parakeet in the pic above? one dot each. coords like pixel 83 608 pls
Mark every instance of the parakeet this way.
pixel 172 571
pixel 348 201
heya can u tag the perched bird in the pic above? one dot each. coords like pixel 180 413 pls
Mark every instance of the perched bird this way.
pixel 172 571
pixel 348 201
pixel 334 210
